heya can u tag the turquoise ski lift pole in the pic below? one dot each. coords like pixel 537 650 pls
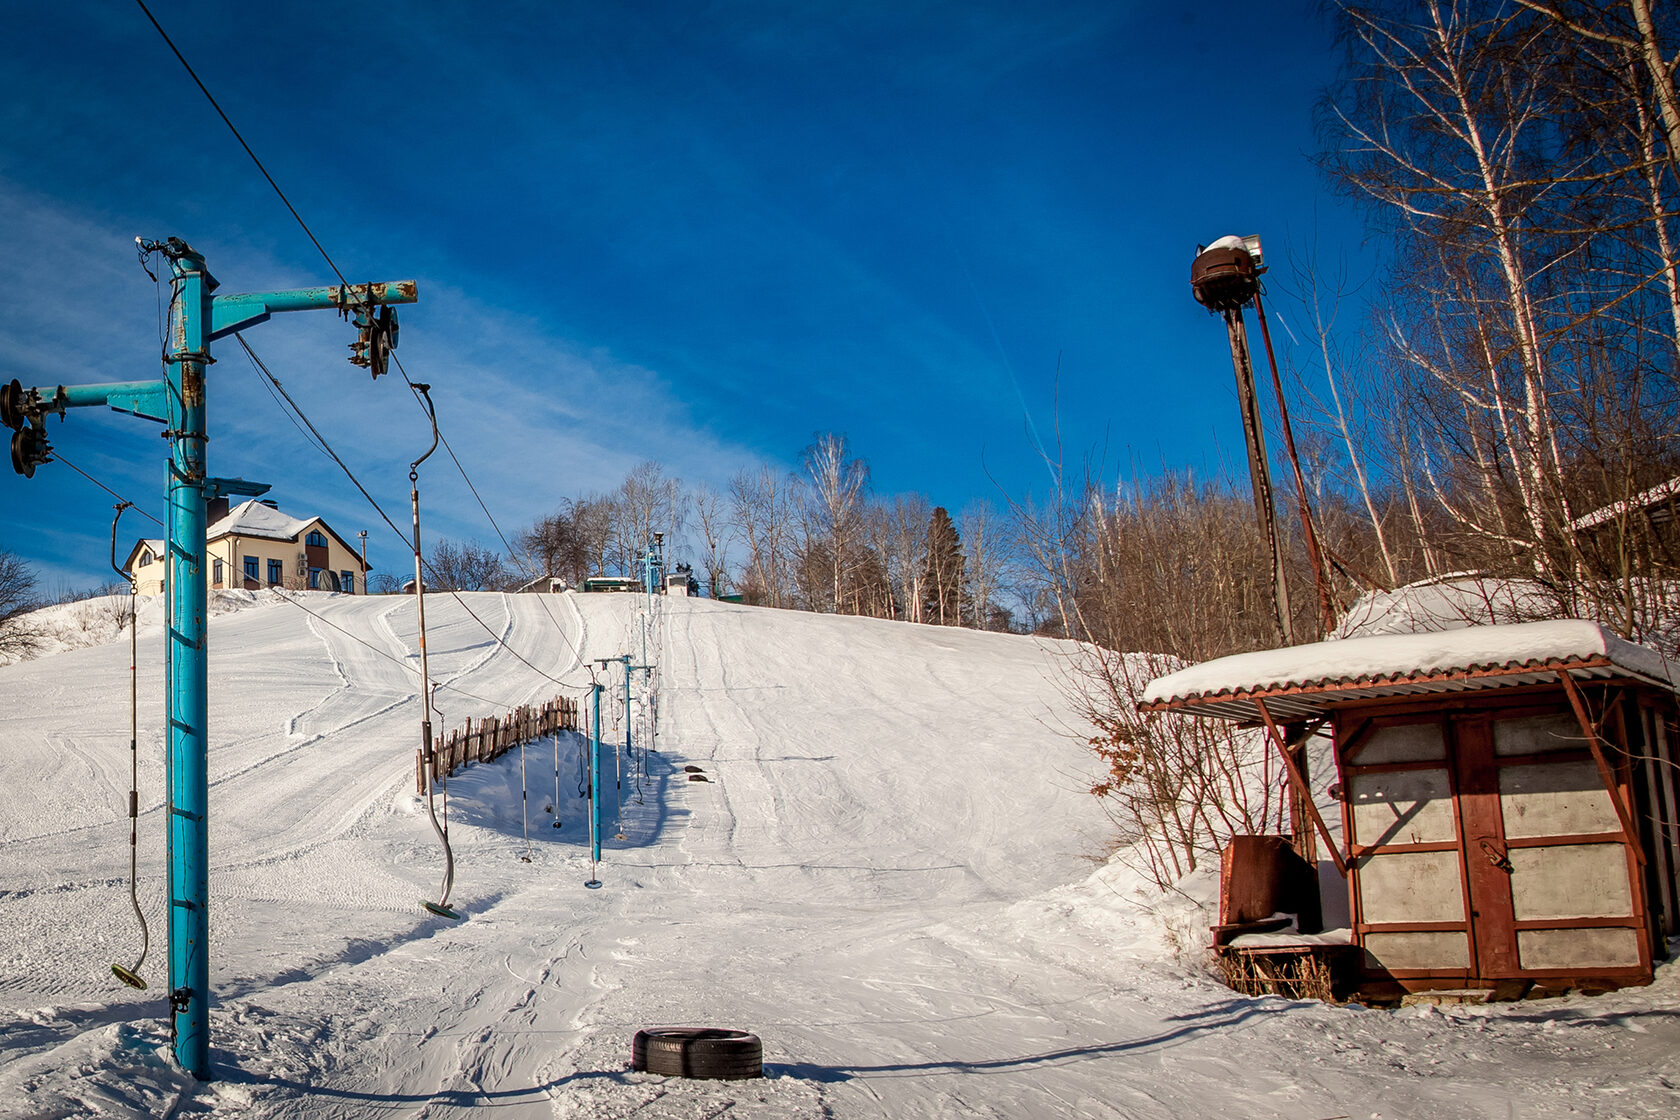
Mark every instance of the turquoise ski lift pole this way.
pixel 177 400
pixel 595 786
pixel 556 740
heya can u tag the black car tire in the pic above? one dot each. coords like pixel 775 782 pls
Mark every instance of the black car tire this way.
pixel 703 1052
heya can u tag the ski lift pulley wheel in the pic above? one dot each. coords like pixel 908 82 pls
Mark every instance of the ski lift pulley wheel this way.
pixel 11 405
pixel 699 1052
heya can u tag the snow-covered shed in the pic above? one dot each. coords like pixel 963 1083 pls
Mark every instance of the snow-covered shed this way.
pixel 1508 795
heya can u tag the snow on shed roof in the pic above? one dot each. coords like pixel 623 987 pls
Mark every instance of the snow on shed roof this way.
pixel 254 519
pixel 1299 681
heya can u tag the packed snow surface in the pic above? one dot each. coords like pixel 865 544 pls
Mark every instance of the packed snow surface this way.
pixel 894 876
pixel 1394 655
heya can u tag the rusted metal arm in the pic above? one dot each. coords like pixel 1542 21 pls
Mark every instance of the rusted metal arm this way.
pixel 1299 781
pixel 1608 775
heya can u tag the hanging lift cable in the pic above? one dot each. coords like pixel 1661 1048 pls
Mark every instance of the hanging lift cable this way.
pixel 577 654
pixel 316 615
pixel 130 975
pixel 59 458
pixel 424 399
pixel 321 440
pixel 428 756
pixel 555 739
pixel 193 74
pixel 327 257
pixel 334 456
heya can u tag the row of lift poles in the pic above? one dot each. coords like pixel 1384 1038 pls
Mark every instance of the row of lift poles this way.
pixel 652 563
pixel 198 317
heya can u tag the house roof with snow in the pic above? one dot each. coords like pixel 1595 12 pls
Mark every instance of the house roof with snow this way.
pixel 1299 682
pixel 262 521
pixel 255 519
pixel 1655 496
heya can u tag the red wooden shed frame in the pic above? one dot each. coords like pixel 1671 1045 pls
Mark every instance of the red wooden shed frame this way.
pixel 1507 817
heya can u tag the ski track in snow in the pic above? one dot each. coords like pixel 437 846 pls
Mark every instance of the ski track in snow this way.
pixel 885 878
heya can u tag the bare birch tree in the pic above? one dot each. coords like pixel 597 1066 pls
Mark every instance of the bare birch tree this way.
pixel 833 513
pixel 762 511
pixel 715 532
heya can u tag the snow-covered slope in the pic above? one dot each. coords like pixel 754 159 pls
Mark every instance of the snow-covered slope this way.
pixel 889 877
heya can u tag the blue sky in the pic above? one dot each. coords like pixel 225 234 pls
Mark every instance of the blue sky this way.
pixel 697 233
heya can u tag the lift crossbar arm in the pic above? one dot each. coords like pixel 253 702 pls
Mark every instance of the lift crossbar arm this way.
pixel 148 399
pixel 236 312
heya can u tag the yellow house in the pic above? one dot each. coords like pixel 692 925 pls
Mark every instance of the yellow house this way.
pixel 254 545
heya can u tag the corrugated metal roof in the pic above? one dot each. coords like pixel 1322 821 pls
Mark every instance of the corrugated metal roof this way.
pixel 1303 681
pixel 1292 703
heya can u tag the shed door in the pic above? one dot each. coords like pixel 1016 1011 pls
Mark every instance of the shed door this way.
pixel 1408 868
pixel 1526 875
pixel 1552 880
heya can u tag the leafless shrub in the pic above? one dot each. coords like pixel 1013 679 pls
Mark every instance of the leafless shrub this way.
pixel 17 585
pixel 1176 786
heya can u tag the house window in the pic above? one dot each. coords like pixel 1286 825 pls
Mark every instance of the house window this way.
pixel 251 568
pixel 145 558
pixel 316 539
pixel 347 582
pixel 216 572
pixel 314 579
pixel 275 573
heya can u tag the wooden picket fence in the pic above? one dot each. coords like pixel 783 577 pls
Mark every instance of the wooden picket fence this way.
pixel 490 737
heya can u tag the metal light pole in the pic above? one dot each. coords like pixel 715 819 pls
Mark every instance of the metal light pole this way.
pixel 1225 277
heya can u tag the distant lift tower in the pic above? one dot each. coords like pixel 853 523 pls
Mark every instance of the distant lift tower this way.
pixel 197 318
pixel 1225 277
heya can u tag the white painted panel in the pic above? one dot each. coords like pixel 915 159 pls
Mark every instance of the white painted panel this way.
pixel 1570 881
pixel 1410 742
pixel 1402 807
pixel 1555 799
pixel 1537 734
pixel 1578 948
pixel 1417 950
pixel 1411 887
